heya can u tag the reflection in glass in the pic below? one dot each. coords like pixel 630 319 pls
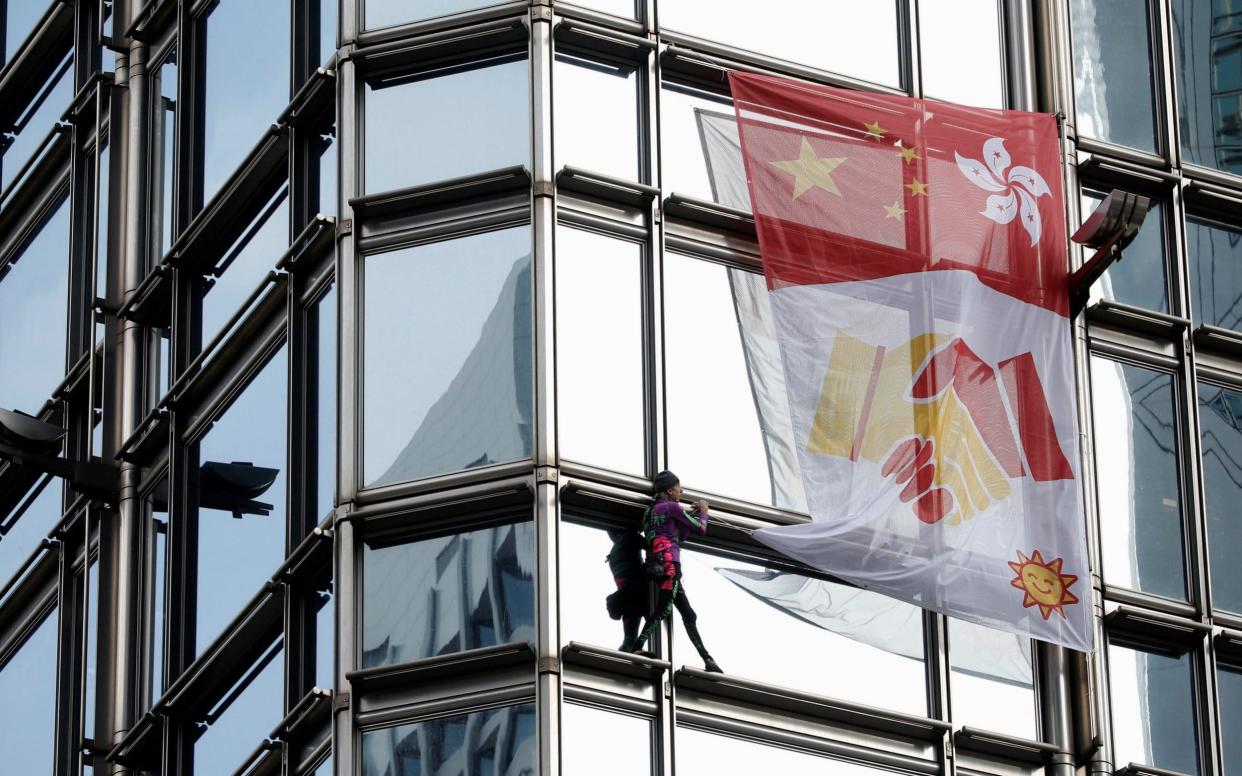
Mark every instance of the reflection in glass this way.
pixel 1112 72
pixel 163 164
pixel 991 670
pixel 683 161
pixel 327 172
pixel 237 106
pixel 241 543
pixel 323 331
pixel 1215 253
pixel 386 13
pixel 1139 280
pixel 241 720
pixel 584 617
pixel 325 641
pixel 705 754
pixel 717 418
pixel 448 382
pixel 33 308
pixel 244 265
pixel 447 123
pixel 459 592
pixel 32 125
pixel 1152 700
pixel 28 716
pixel 622 8
pixel 745 610
pixel 1207 62
pixel 599 350
pixel 596 116
pixel 1220 435
pixel 587 733
pixel 965 74
pixel 495 742
pixel 1137 478
pixel 92 651
pixel 28 525
pixel 850 38
pixel 1229 682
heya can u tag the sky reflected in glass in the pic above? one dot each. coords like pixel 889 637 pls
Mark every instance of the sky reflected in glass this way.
pixel 495 742
pixel 596 110
pixel 700 753
pixel 35 124
pixel 1220 439
pixel 28 717
pixel 23 533
pixel 1207 65
pixel 990 672
pixel 960 43
pixel 1112 72
pixel 1139 280
pixel 1152 702
pixel 244 720
pixel 1215 253
pixel 683 163
pixel 587 733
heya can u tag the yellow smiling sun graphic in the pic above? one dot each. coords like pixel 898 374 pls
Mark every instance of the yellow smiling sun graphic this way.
pixel 1044 584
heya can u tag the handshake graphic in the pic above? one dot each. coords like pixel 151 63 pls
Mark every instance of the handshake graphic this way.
pixel 940 421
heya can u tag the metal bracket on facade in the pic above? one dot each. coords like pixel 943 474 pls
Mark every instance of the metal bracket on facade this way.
pixel 541 13
pixel 546 474
pixel 340 702
pixel 344 227
pixel 544 189
pixel 549 665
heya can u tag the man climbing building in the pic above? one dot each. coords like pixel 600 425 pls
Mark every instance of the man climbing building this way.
pixel 665 526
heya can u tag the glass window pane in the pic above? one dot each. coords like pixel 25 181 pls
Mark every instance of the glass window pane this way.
pixel 241 38
pixel 990 671
pixel 460 592
pixel 34 290
pixel 815 622
pixel 1113 73
pixel 495 742
pixel 1137 478
pixel 686 114
pixel 966 74
pixel 157 546
pixel 1229 682
pixel 1139 279
pixel 323 319
pixel 327 29
pixel 242 720
pixel 1207 61
pixel 163 164
pixel 1152 701
pixel 596 115
pixel 599 350
pixel 325 642
pixel 327 172
pixel 30 725
pixel 1220 434
pixel 386 13
pixel 587 733
pixel 1215 253
pixel 444 397
pixel 26 527
pixel 36 121
pixel 716 437
pixel 245 264
pixel 447 124
pixel 241 539
pixel 622 8
pixel 705 754
pixel 90 632
pixel 851 38
pixel 584 612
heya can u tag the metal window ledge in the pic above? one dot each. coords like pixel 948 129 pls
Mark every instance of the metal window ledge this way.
pixel 306 716
pixel 314 101
pixel 1218 339
pixel 784 699
pixel 606 187
pixel 148 440
pixel 1139 160
pixel 229 213
pixel 150 304
pixel 312 558
pixel 150 22
pixel 1137 318
pixel 140 747
pixel 1097 170
pixel 711 214
pixel 28 582
pixel 315 239
pixel 515 653
pixel 246 638
pixel 613 662
pixel 36 185
pixel 1001 745
pixel 709 63
pixel 1135 769
pixel 414 198
pixel 1229 644
pixel 440 45
pixel 1125 620
pixel 592 38
pixel 25 72
pixel 265 760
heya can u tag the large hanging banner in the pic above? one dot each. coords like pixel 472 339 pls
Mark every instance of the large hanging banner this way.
pixel 915 256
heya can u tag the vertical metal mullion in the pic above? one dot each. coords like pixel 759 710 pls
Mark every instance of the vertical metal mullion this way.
pixel 1160 18
pixel 348 626
pixel 908 44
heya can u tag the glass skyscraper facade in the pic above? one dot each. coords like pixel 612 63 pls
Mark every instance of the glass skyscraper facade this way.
pixel 383 312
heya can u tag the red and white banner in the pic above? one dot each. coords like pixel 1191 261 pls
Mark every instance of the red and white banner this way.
pixel 915 254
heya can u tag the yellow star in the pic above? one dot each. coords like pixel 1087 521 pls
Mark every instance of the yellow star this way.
pixel 875 131
pixel 810 170
pixel 917 187
pixel 894 210
pixel 907 153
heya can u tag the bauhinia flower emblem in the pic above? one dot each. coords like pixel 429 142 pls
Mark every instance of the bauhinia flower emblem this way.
pixel 1017 188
